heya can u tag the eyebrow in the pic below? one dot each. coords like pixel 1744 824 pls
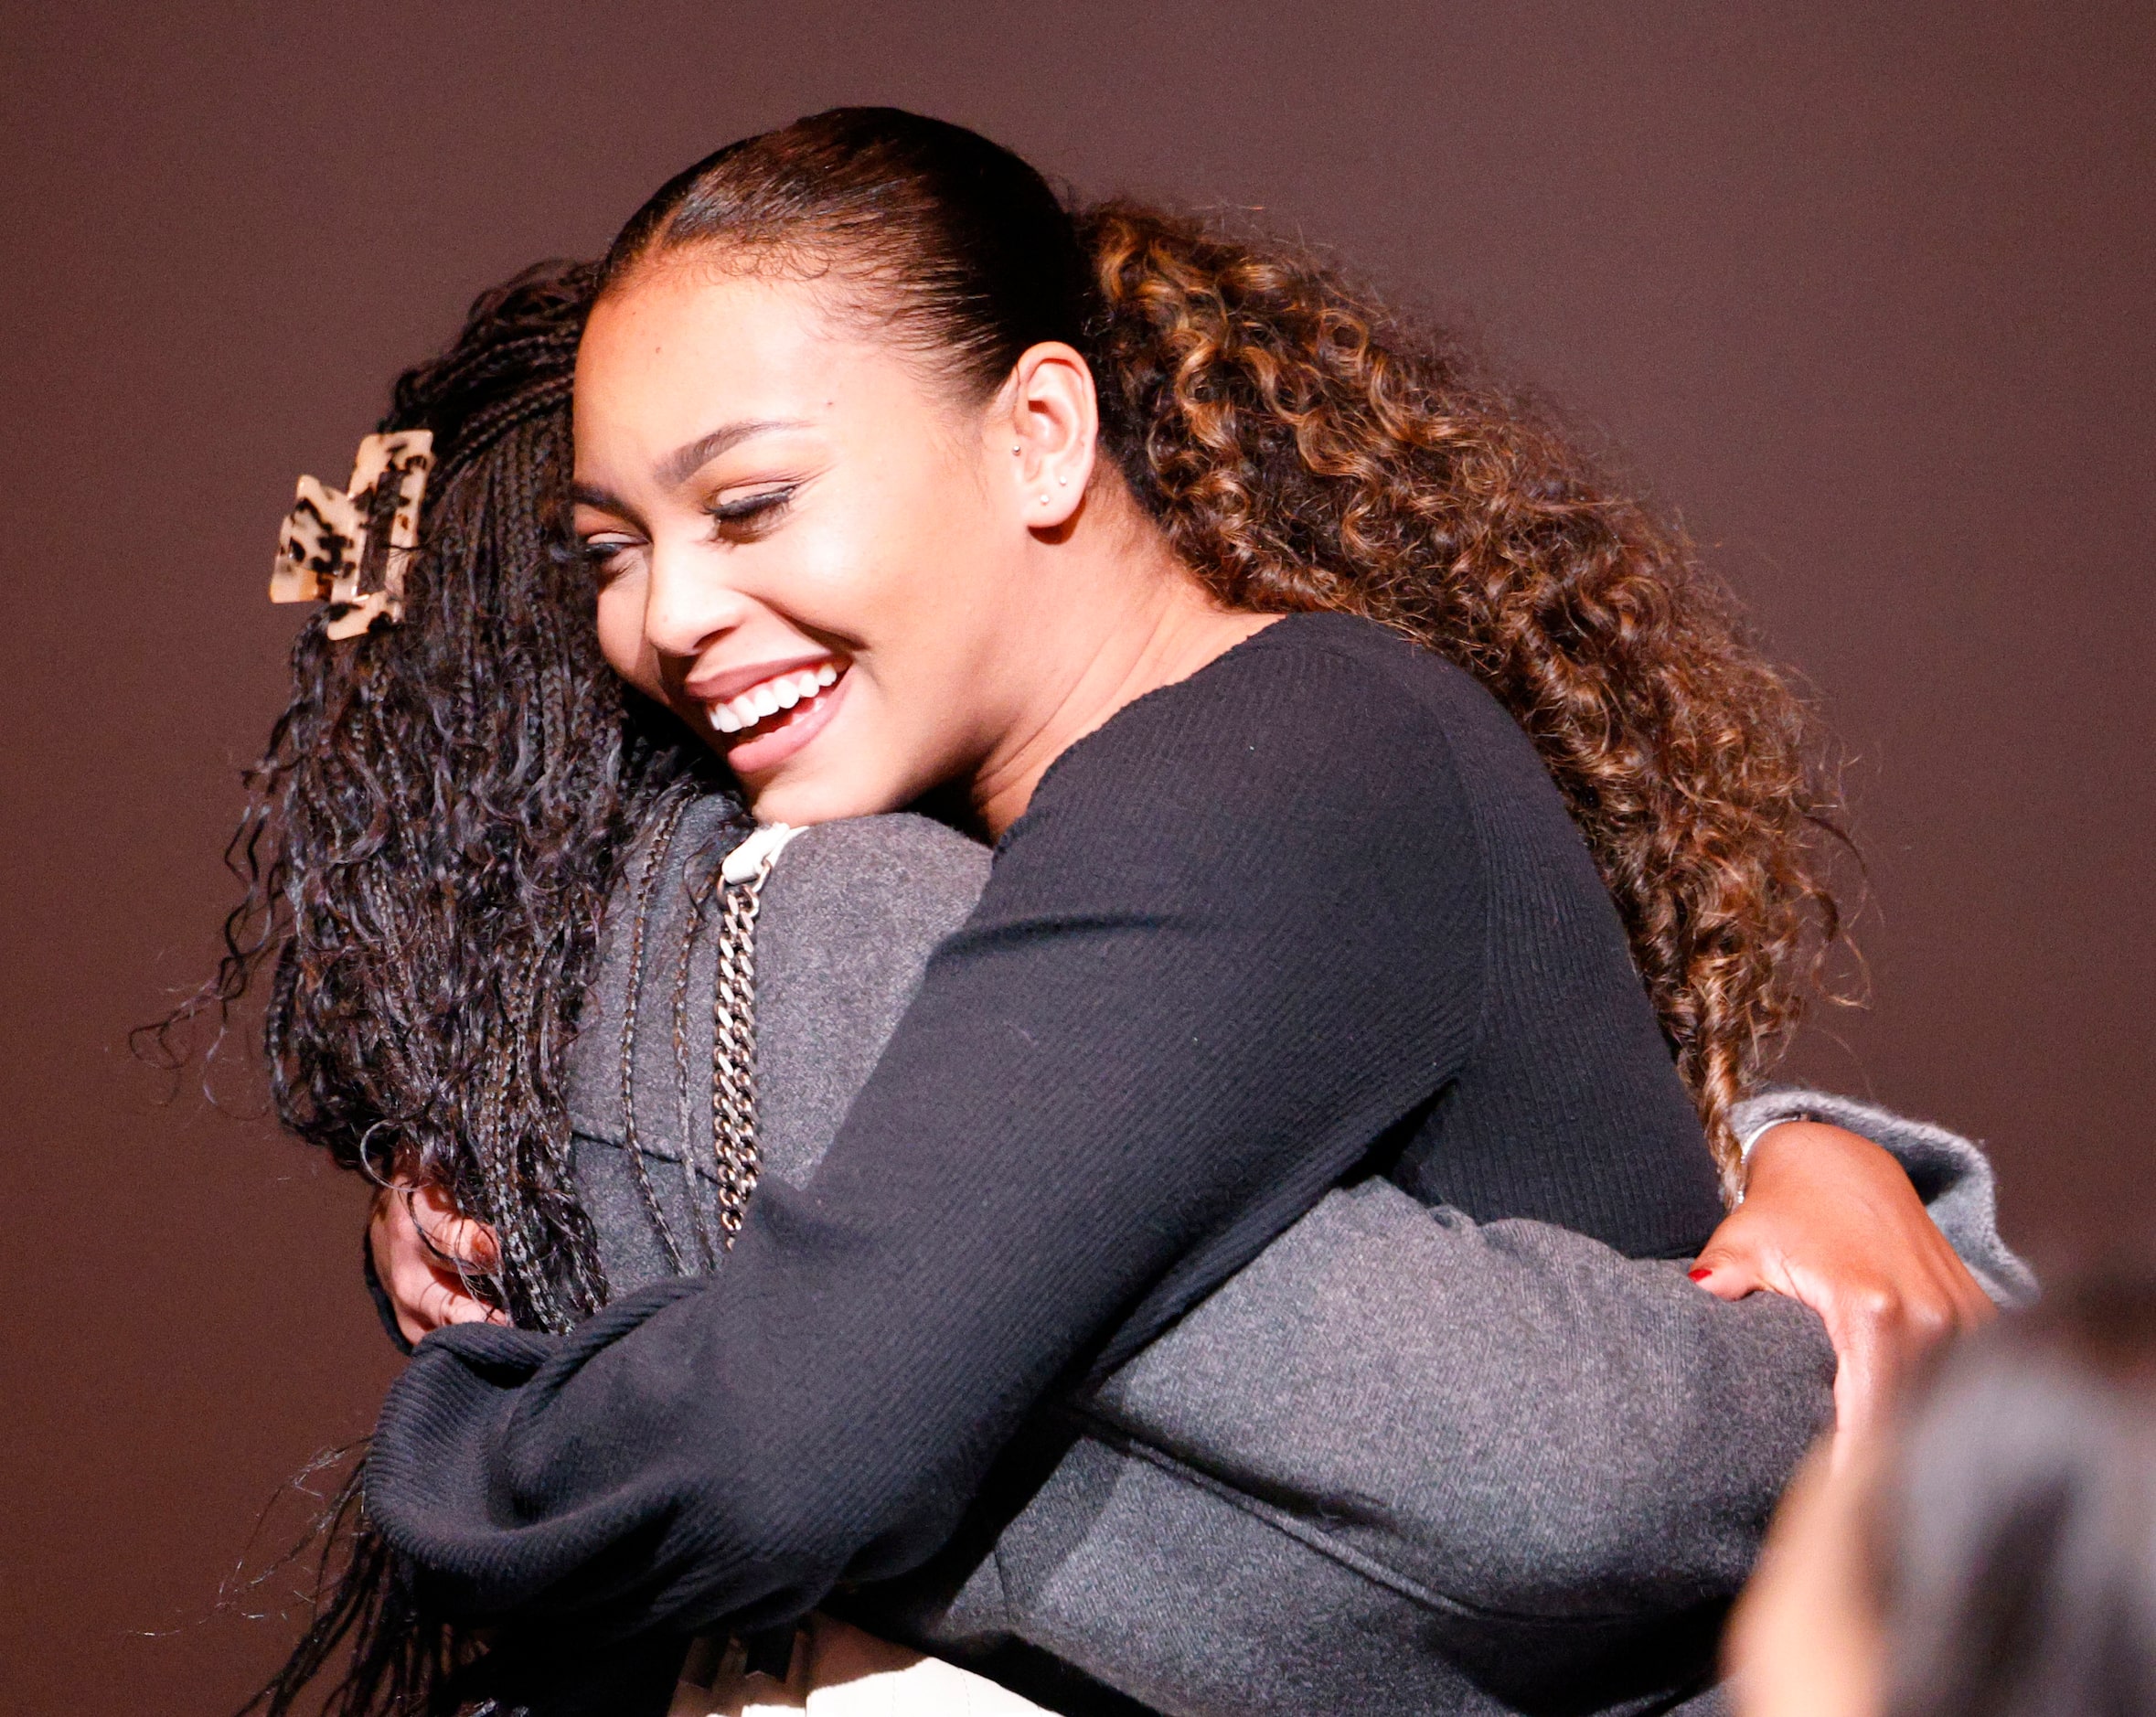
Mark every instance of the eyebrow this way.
pixel 686 460
pixel 605 500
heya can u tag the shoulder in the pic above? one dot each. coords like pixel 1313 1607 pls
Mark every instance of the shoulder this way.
pixel 898 845
pixel 1311 768
pixel 1418 693
pixel 1316 716
pixel 901 876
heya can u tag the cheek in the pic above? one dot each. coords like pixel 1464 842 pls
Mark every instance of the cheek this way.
pixel 908 566
pixel 915 620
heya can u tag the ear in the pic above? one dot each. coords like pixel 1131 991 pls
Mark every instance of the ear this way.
pixel 1054 421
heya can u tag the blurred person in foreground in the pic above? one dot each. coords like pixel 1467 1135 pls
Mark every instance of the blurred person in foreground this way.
pixel 1995 1555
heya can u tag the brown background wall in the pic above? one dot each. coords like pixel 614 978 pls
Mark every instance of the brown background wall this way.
pixel 1865 288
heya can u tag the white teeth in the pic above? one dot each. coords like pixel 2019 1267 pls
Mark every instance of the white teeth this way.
pixel 767 699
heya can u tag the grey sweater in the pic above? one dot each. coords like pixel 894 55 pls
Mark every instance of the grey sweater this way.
pixel 1402 1462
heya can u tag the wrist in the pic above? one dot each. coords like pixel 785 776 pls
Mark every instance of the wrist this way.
pixel 1793 1151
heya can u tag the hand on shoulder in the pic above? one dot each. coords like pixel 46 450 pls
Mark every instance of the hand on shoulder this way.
pixel 1831 1219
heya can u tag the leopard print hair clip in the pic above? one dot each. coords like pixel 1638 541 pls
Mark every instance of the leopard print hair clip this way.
pixel 348 547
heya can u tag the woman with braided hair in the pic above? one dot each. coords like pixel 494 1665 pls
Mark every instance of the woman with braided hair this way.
pixel 1394 843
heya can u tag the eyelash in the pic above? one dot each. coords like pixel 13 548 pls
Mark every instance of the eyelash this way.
pixel 743 520
pixel 750 516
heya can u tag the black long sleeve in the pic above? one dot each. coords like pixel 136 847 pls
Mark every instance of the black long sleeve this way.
pixel 1244 931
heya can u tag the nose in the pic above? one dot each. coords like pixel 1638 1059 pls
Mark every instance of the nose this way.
pixel 689 602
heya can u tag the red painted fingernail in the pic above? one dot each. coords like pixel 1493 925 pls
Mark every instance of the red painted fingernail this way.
pixel 1699 1275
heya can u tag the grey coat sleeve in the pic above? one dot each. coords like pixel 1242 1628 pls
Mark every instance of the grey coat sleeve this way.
pixel 1406 1462
pixel 1951 1173
pixel 1506 1415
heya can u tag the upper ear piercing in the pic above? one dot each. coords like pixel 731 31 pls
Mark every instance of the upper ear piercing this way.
pixel 1064 480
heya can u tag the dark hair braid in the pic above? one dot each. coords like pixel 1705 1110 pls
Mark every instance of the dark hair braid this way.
pixel 428 846
pixel 432 833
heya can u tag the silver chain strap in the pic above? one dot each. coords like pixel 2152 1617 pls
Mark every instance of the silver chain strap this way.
pixel 737 1157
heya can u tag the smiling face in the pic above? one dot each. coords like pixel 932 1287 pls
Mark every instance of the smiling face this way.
pixel 811 550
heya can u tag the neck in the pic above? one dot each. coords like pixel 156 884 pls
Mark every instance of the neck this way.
pixel 1131 620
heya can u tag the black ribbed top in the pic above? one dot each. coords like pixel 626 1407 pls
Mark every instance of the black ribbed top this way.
pixel 1314 911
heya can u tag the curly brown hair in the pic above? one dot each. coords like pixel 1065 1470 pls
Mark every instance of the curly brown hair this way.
pixel 1303 449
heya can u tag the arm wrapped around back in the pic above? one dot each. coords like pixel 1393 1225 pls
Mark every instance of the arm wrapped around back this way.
pixel 1103 1369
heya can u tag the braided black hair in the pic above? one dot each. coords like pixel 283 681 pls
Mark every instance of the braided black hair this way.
pixel 432 833
pixel 429 841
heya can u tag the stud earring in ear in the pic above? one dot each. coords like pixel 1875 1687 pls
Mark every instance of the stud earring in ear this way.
pixel 1063 482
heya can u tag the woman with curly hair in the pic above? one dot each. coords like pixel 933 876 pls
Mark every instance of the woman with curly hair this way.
pixel 1381 808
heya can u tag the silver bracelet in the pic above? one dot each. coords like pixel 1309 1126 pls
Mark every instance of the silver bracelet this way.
pixel 1748 1139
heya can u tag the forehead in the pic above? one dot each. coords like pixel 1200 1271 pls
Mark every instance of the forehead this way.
pixel 684 344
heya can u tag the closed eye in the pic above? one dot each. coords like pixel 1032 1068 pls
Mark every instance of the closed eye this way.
pixel 606 556
pixel 751 516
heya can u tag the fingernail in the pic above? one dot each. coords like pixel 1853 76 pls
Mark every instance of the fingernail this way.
pixel 1699 1275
